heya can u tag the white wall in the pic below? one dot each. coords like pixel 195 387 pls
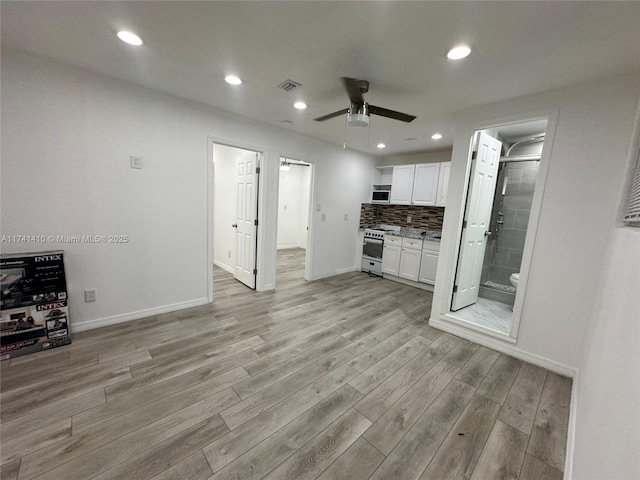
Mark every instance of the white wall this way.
pixel 293 206
pixel 67 135
pixel 586 172
pixel 582 308
pixel 607 425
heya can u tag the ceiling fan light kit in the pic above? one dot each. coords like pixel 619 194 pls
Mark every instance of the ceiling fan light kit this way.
pixel 358 115
pixel 359 111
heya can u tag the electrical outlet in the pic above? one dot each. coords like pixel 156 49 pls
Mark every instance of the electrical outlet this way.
pixel 136 162
pixel 229 254
pixel 408 218
pixel 346 216
pixel 323 217
pixel 319 207
pixel 90 295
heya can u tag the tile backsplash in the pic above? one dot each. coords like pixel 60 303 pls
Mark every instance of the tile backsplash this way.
pixel 429 218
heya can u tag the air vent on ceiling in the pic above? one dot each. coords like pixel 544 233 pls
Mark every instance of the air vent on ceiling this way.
pixel 289 85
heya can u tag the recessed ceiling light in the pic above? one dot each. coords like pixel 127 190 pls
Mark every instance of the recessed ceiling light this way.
pixel 458 52
pixel 300 105
pixel 287 122
pixel 436 136
pixel 130 38
pixel 381 145
pixel 232 80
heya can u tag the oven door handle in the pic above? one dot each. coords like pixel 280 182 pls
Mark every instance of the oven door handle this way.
pixel 373 240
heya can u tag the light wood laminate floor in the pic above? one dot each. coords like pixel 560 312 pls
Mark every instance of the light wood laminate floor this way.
pixel 340 378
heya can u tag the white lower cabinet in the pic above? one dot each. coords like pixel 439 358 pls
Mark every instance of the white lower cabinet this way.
pixel 391 259
pixel 410 263
pixel 428 267
pixel 410 259
pixel 429 262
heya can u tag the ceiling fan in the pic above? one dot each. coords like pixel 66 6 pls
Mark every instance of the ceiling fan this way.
pixel 359 110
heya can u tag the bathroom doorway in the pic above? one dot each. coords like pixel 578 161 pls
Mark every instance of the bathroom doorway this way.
pixel 486 289
pixel 294 200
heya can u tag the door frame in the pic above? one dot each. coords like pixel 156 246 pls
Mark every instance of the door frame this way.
pixel 261 199
pixel 456 209
pixel 308 259
pixel 470 231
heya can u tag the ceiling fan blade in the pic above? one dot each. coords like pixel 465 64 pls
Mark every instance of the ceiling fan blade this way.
pixel 384 112
pixel 331 115
pixel 352 86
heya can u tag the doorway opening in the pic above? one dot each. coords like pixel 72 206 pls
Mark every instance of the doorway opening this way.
pixel 294 194
pixel 235 211
pixel 493 259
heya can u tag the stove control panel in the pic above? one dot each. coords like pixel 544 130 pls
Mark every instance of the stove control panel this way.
pixel 370 233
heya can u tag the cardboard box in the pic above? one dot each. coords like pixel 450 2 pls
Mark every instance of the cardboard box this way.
pixel 34 309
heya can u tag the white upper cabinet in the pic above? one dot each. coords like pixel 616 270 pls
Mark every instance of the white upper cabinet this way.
pixel 383 175
pixel 422 184
pixel 425 184
pixel 443 184
pixel 402 184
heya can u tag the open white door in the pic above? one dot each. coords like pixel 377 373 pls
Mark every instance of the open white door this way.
pixel 246 218
pixel 482 184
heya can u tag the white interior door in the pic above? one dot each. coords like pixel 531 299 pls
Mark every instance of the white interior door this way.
pixel 482 184
pixel 246 218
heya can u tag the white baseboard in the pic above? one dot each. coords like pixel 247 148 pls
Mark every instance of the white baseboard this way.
pixel 223 266
pixel 571 432
pixel 346 270
pixel 333 274
pixel 293 245
pixel 411 283
pixel 500 346
pixel 126 317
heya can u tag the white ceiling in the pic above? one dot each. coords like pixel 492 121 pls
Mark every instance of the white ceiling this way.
pixel 520 48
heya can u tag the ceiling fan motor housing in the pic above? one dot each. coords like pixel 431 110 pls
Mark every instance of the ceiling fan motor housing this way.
pixel 358 115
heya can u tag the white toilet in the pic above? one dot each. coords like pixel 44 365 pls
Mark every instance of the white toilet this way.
pixel 514 279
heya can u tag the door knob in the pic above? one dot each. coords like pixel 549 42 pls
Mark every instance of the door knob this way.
pixel 487 233
pixel 235 225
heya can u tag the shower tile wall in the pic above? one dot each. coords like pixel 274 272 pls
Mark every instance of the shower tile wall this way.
pixel 504 250
pixel 429 218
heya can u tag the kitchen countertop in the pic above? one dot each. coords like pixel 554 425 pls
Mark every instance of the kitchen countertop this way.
pixel 418 233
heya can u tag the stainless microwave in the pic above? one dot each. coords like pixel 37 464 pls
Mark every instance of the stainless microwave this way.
pixel 380 196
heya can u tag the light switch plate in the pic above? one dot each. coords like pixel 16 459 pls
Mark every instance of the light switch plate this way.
pixel 136 162
pixel 90 295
